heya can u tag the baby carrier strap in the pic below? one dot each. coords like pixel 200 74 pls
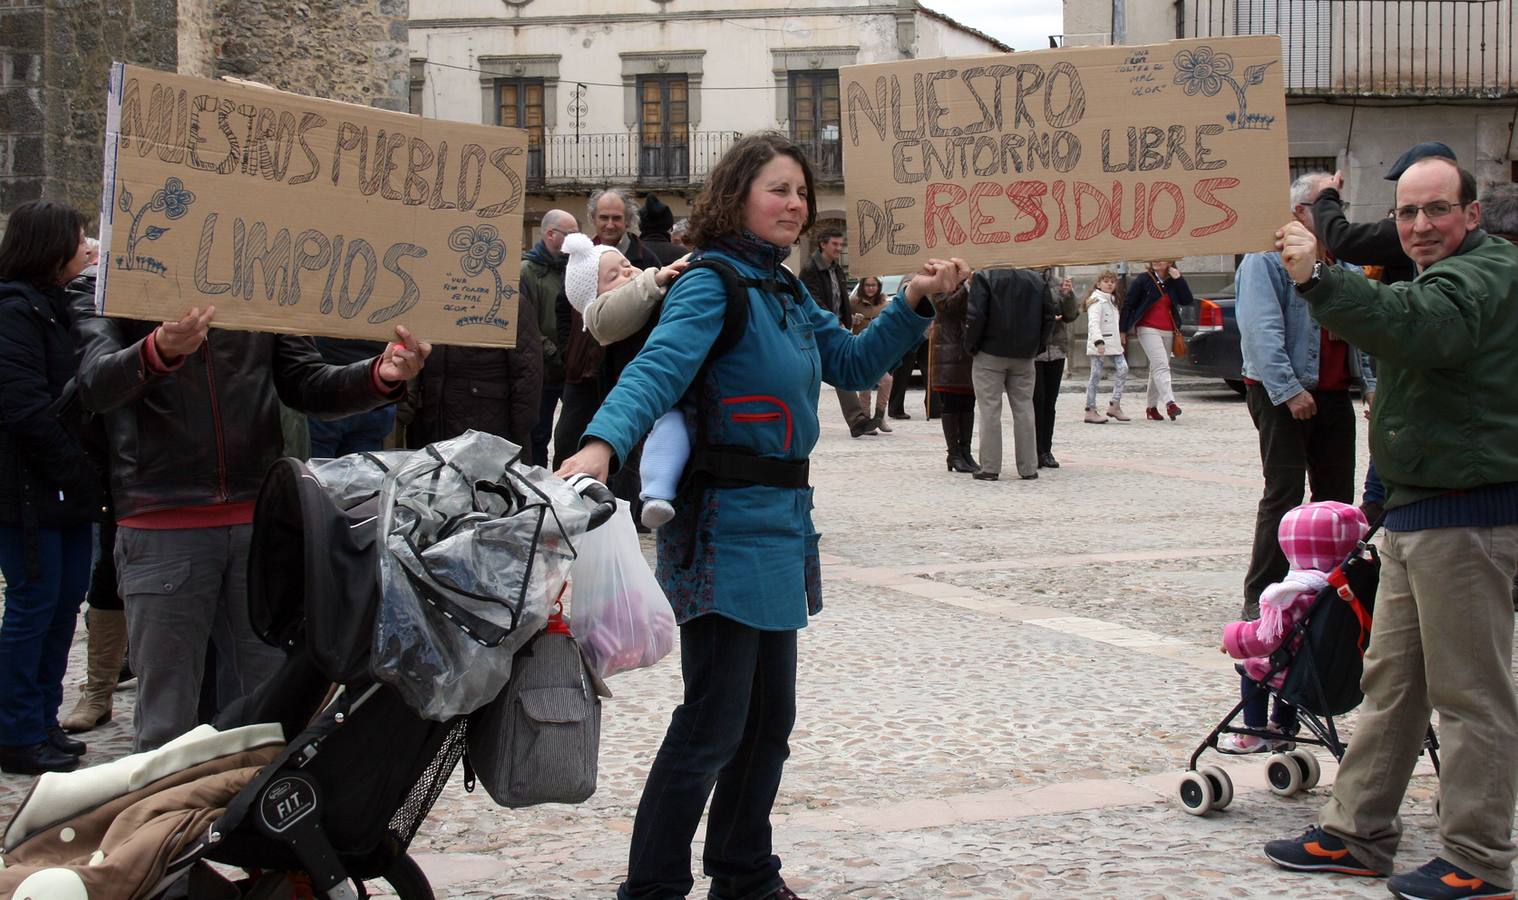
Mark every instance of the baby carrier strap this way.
pixel 725 466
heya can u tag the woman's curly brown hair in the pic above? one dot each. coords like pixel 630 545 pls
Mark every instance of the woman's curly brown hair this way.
pixel 718 211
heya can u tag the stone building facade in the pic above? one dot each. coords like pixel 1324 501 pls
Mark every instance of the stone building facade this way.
pixel 649 95
pixel 55 56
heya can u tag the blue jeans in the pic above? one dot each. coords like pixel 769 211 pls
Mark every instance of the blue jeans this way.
pixel 731 733
pixel 1093 385
pixel 352 434
pixel 40 609
pixel 1281 713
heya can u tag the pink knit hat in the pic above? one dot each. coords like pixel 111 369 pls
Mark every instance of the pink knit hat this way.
pixel 1320 536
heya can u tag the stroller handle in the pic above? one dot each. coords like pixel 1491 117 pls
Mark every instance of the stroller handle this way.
pixel 598 494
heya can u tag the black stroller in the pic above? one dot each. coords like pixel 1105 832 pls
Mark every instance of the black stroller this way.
pixel 1325 655
pixel 360 770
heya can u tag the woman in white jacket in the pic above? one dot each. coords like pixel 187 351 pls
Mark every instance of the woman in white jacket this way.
pixel 1105 341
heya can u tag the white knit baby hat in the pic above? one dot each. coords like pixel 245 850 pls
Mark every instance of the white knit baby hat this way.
pixel 582 275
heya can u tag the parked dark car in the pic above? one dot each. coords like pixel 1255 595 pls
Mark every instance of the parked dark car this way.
pixel 1212 338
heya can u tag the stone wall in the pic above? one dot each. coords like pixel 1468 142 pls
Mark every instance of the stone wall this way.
pixel 353 50
pixel 54 61
pixel 55 57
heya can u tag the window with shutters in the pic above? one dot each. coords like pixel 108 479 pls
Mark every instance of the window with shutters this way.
pixel 663 127
pixel 815 119
pixel 519 104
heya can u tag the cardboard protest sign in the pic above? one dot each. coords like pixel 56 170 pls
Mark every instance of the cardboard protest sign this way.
pixel 1067 156
pixel 306 216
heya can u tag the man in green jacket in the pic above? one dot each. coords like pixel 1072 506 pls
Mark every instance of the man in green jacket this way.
pixel 542 282
pixel 1444 435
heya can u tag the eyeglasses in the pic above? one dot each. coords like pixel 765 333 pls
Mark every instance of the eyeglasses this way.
pixel 1435 210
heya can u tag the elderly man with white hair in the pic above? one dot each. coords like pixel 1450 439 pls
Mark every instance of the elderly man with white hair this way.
pixel 1297 378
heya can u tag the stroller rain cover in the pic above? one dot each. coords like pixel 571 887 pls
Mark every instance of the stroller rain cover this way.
pixel 475 546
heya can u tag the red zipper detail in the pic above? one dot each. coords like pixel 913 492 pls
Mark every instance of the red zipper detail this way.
pixel 764 398
pixel 756 417
pixel 221 439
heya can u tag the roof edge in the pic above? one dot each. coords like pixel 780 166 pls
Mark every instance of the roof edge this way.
pixel 955 23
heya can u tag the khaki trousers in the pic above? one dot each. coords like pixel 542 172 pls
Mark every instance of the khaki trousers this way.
pixel 1442 640
pixel 991 376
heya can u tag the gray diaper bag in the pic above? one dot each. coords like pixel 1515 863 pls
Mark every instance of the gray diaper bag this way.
pixel 538 741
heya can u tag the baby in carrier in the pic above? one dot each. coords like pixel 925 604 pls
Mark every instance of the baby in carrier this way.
pixel 616 298
pixel 1316 538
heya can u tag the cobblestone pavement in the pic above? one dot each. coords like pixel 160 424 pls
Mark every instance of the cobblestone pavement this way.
pixel 997 702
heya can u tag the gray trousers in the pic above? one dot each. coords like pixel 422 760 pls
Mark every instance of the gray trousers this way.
pixel 993 375
pixel 853 412
pixel 183 589
pixel 1441 640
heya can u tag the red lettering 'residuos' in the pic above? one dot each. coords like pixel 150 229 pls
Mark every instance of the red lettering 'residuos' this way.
pixel 1206 191
pixel 953 234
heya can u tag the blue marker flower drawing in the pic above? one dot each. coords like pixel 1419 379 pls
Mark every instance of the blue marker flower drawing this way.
pixel 1204 71
pixel 173 200
pixel 481 249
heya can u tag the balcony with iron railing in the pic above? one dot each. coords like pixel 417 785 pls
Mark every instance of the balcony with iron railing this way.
pixel 1375 48
pixel 577 160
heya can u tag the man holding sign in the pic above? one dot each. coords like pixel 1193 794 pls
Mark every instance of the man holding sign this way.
pixel 192 416
pixel 1444 432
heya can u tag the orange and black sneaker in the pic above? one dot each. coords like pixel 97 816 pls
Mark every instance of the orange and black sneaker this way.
pixel 1316 851
pixel 1439 880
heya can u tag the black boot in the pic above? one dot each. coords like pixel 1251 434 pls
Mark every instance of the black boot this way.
pixel 966 432
pixel 36 759
pixel 60 741
pixel 956 461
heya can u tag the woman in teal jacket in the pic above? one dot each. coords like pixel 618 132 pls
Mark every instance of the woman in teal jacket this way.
pixel 739 560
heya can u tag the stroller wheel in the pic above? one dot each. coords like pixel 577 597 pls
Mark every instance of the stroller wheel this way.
pixel 1196 793
pixel 1222 786
pixel 1284 774
pixel 1311 771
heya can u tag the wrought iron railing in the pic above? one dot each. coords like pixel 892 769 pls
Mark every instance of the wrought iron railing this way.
pixel 603 158
pixel 1386 48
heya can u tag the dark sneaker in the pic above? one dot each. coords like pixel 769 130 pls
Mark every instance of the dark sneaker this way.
pixel 1439 880
pixel 1316 851
pixel 784 893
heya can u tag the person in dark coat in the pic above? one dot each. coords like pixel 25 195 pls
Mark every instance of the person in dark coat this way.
pixel 1049 370
pixel 1008 322
pixel 50 492
pixel 949 370
pixel 192 415
pixel 487 389
pixel 657 220
pixel 827 282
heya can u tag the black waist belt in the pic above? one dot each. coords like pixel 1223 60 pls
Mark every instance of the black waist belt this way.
pixel 728 467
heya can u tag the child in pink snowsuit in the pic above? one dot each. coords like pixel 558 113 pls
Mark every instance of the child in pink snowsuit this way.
pixel 1315 537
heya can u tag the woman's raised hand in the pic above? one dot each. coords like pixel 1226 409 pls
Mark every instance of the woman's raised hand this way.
pixel 937 276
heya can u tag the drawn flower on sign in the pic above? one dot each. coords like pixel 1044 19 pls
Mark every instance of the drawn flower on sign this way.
pixel 481 245
pixel 173 200
pixel 1204 71
pixel 480 248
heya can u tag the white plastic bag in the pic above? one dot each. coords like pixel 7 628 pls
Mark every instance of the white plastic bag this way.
pixel 618 612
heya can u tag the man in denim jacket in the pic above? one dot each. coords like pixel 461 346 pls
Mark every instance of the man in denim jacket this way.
pixel 1297 379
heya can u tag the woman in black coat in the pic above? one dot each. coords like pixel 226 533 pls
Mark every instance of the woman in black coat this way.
pixel 49 491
